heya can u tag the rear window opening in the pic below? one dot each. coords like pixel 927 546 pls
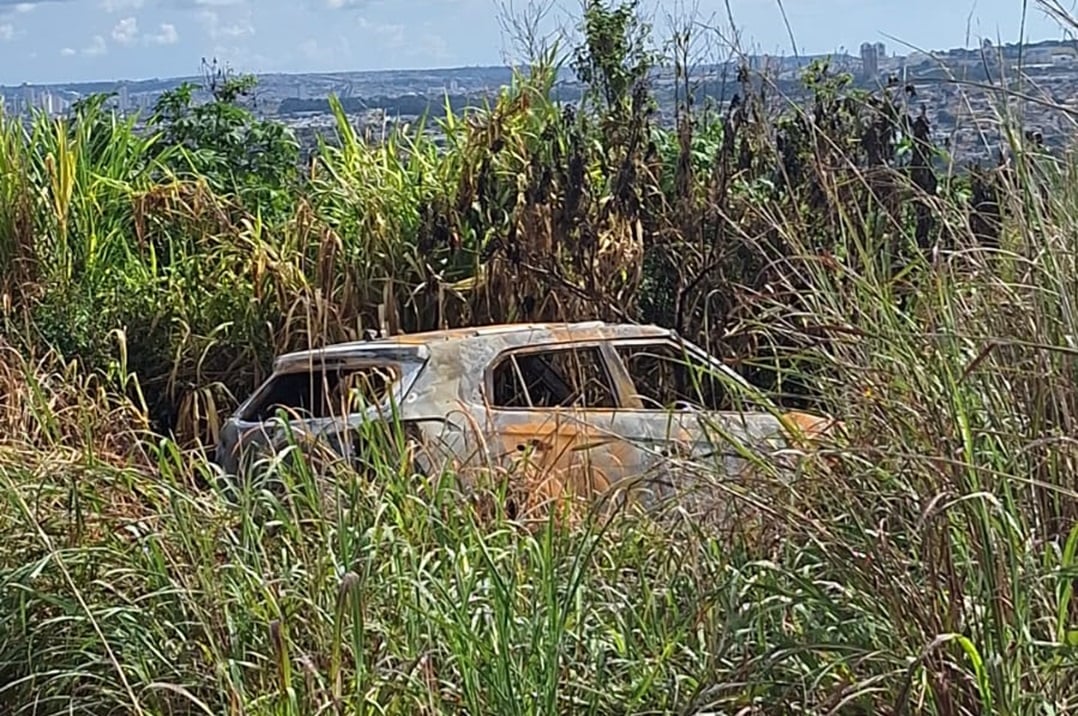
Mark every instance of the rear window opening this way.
pixel 560 377
pixel 328 393
pixel 667 377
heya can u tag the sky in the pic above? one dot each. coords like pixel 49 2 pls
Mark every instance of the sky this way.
pixel 45 41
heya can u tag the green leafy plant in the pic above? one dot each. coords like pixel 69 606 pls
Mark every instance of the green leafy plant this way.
pixel 222 142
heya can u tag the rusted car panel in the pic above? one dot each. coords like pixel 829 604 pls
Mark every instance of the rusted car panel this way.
pixel 582 406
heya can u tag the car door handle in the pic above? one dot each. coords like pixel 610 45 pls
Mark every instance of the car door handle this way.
pixel 675 450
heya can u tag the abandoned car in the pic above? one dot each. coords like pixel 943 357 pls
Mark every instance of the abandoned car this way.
pixel 594 403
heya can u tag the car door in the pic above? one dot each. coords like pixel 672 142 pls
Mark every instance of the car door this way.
pixel 554 417
pixel 324 402
pixel 689 416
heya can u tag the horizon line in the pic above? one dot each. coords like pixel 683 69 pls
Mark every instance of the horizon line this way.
pixel 450 68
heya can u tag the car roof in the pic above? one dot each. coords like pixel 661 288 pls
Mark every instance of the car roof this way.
pixel 514 334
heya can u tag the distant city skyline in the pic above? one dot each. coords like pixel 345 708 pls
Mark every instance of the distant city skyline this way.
pixel 51 41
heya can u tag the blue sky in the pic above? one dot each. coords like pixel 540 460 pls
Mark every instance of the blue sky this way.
pixel 78 40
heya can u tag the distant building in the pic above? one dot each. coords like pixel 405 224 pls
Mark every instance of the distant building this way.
pixel 870 58
pixel 1064 56
pixel 49 102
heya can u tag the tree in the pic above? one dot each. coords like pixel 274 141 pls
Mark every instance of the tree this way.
pixel 223 141
pixel 614 60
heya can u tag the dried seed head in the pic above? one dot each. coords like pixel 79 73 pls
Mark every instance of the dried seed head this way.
pixel 349 583
pixel 276 637
pixel 308 665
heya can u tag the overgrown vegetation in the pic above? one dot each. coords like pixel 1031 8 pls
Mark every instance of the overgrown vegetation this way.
pixel 928 566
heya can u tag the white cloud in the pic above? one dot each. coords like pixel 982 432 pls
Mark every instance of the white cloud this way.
pixel 97 47
pixel 24 7
pixel 126 31
pixel 217 29
pixel 7 31
pixel 166 36
pixel 68 52
pixel 390 35
pixel 121 5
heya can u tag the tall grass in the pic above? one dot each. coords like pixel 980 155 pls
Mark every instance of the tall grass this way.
pixel 925 563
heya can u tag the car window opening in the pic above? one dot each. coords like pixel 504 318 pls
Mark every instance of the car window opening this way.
pixel 559 378
pixel 666 378
pixel 329 393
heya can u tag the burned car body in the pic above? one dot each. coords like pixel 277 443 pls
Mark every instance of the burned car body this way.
pixel 591 404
